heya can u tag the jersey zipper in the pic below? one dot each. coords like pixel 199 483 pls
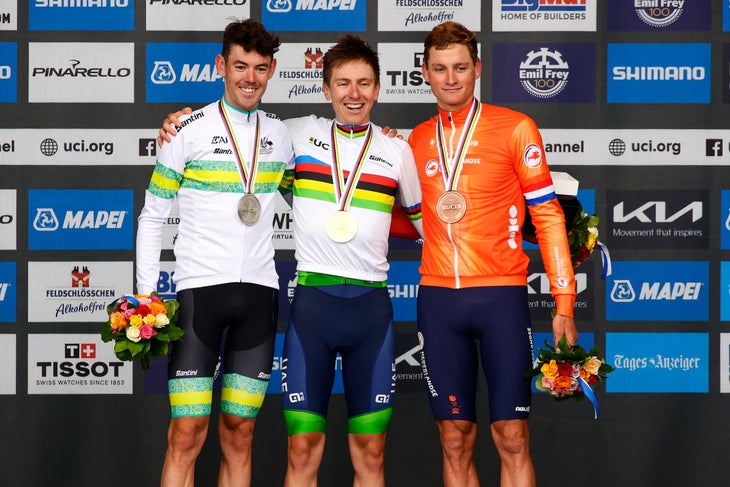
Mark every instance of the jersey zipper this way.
pixel 457 278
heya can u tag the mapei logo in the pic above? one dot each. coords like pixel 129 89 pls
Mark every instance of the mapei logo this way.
pixel 659 73
pixel 314 15
pixel 80 219
pixel 285 6
pixel 7 292
pixel 181 72
pixel 658 291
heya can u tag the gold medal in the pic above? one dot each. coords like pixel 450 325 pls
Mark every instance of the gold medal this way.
pixel 249 209
pixel 341 226
pixel 451 207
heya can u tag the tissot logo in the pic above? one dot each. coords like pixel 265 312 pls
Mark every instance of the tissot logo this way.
pixel 658 219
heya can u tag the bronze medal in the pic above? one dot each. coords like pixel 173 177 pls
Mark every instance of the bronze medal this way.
pixel 249 209
pixel 451 207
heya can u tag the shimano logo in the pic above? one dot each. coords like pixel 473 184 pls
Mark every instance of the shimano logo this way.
pixel 81 3
pixel 659 73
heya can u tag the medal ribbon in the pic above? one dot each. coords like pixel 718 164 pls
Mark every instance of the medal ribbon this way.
pixel 451 167
pixel 345 191
pixel 248 174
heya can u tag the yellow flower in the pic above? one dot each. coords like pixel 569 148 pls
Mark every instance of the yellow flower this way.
pixel 592 237
pixel 592 365
pixel 150 319
pixel 136 321
pixel 584 374
pixel 117 321
pixel 550 369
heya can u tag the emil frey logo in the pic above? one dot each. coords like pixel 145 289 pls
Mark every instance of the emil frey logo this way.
pixel 659 13
pixel 544 73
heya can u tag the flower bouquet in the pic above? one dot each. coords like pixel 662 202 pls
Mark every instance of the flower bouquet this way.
pixel 582 235
pixel 569 372
pixel 142 326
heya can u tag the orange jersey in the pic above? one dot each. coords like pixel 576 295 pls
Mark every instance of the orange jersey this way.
pixel 504 167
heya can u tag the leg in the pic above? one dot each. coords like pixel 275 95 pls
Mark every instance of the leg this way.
pixel 305 455
pixel 368 368
pixel 236 437
pixel 450 367
pixel 307 375
pixel 367 452
pixel 512 438
pixel 185 438
pixel 457 441
pixel 247 365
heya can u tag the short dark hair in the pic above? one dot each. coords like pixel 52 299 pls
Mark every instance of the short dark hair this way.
pixel 446 35
pixel 251 35
pixel 349 48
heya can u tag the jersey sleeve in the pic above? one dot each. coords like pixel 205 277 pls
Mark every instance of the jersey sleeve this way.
pixel 163 187
pixel 409 188
pixel 547 216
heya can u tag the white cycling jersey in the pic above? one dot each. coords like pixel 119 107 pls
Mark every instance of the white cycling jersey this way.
pixel 199 168
pixel 388 171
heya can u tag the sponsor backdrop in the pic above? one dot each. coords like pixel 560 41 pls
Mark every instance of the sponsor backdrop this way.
pixel 631 98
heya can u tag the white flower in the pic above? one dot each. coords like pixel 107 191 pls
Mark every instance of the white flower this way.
pixel 161 321
pixel 133 334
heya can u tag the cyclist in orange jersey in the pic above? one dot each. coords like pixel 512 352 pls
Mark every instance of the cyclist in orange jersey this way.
pixel 477 165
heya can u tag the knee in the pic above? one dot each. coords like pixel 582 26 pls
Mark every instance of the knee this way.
pixel 303 448
pixel 187 434
pixel 236 431
pixel 511 439
pixel 457 437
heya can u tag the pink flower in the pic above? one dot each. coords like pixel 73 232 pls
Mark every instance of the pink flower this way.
pixel 146 332
pixel 128 313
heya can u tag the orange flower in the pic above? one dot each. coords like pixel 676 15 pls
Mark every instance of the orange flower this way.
pixel 117 321
pixel 563 382
pixel 157 308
